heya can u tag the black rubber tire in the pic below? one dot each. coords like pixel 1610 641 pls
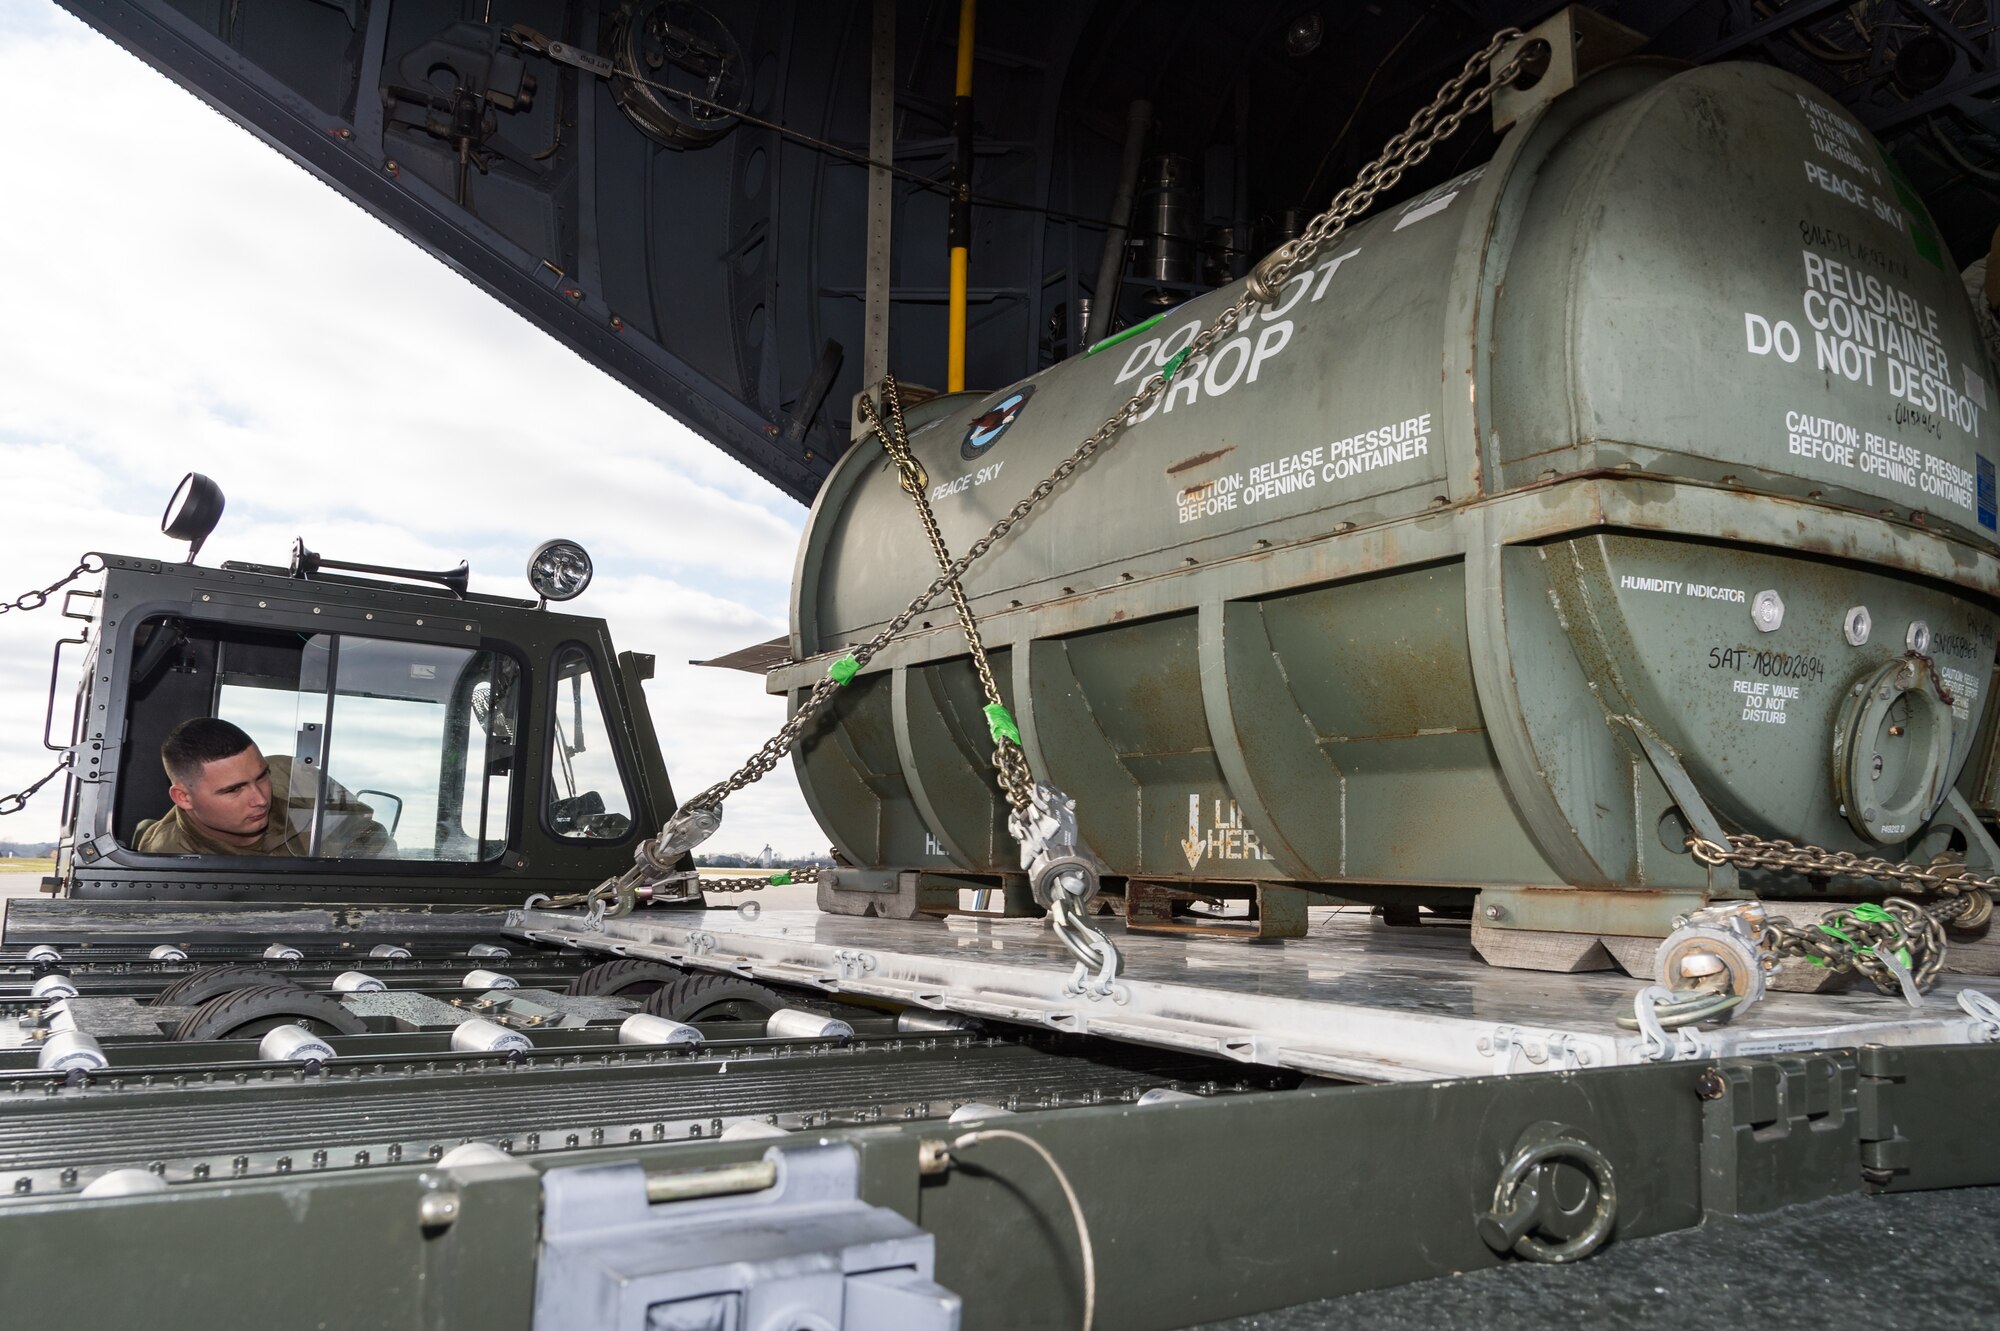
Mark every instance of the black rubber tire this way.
pixel 628 977
pixel 246 1013
pixel 213 981
pixel 694 998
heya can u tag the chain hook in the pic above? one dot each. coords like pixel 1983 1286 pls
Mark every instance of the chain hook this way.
pixel 1983 1010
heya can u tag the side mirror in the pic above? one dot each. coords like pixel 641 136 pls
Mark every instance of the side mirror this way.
pixel 382 796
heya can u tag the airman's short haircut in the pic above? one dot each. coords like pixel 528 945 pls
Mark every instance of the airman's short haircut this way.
pixel 196 743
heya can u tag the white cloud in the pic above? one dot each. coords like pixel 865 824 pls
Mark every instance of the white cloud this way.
pixel 182 297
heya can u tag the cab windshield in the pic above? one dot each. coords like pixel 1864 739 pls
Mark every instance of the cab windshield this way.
pixel 378 749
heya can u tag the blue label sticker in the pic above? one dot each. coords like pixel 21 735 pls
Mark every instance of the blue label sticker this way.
pixel 989 425
pixel 1987 513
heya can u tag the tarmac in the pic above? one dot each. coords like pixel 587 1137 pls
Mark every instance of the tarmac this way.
pixel 1921 1260
pixel 19 884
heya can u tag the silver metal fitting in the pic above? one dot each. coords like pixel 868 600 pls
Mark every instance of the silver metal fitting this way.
pixel 751 1129
pixel 974 1110
pixel 1767 611
pixel 437 1209
pixel 480 1036
pixel 1718 941
pixel 790 1023
pixel 485 979
pixel 687 828
pixel 357 982
pixel 283 952
pixel 1262 283
pixel 1856 624
pixel 933 1157
pixel 41 954
pixel 1052 850
pixel 645 1028
pixel 1918 638
pixel 916 1021
pixel 473 1153
pixel 67 1051
pixel 123 1183
pixel 293 1044
pixel 487 950
pixel 391 952
pixel 167 952
pixel 53 985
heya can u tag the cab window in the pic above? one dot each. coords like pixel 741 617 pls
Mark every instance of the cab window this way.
pixel 587 795
pixel 378 749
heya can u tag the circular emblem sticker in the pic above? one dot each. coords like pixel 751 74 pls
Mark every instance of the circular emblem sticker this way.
pixel 989 425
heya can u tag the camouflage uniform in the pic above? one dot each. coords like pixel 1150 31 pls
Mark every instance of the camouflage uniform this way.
pixel 348 830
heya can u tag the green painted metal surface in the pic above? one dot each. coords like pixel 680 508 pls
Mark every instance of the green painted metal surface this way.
pixel 1379 591
pixel 1296 1200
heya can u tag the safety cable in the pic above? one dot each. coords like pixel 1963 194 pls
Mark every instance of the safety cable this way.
pixel 1083 1243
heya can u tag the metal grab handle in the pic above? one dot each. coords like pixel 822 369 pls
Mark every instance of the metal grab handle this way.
pixel 49 714
pixel 1525 1192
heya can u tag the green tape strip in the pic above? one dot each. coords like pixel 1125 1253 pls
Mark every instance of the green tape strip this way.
pixel 1001 723
pixel 1894 167
pixel 1923 227
pixel 1127 334
pixel 1174 365
pixel 844 669
pixel 1927 246
pixel 780 879
pixel 1865 913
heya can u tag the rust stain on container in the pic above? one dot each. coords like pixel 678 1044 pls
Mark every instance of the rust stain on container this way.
pixel 1199 460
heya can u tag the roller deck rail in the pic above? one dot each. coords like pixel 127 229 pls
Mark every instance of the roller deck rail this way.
pixel 1309 1184
pixel 1353 1000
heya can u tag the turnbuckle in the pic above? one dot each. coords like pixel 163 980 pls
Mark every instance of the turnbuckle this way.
pixel 690 825
pixel 1052 850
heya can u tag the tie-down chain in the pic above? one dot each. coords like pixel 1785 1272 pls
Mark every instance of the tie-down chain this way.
pixel 1719 958
pixel 1042 819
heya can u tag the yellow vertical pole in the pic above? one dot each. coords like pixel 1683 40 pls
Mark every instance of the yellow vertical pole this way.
pixel 960 235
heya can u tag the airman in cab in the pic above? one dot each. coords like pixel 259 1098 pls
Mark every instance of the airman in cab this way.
pixel 228 799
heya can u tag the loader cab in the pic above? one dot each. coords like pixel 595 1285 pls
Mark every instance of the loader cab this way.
pixel 426 744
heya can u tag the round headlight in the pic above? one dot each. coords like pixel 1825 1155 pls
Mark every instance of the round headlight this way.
pixel 193 511
pixel 559 570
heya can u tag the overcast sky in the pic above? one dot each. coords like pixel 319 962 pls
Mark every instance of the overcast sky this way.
pixel 181 297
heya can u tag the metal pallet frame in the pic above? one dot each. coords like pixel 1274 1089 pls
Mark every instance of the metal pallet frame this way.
pixel 1342 1040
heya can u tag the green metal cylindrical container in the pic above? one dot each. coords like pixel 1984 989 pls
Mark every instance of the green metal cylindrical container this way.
pixel 1657 446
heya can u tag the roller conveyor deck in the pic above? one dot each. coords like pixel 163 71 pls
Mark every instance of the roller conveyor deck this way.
pixel 249 1119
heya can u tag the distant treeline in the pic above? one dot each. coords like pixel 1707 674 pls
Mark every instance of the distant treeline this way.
pixel 26 850
pixel 729 861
